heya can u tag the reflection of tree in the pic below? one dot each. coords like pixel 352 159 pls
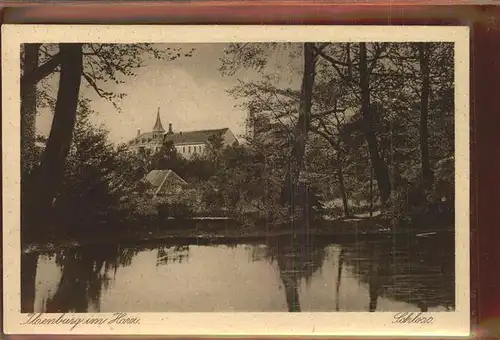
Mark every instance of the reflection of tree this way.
pixel 172 254
pixel 378 271
pixel 297 257
pixel 29 264
pixel 339 277
pixel 85 273
pixel 415 271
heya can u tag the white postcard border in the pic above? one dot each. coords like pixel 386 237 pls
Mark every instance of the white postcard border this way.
pixel 237 324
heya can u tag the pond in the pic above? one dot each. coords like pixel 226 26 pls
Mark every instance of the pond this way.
pixel 276 274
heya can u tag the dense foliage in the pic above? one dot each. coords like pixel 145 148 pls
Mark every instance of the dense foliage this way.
pixel 381 126
pixel 94 65
pixel 347 129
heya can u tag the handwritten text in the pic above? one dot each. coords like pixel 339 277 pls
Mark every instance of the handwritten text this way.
pixel 75 321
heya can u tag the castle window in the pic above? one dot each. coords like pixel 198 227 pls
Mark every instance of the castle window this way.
pixel 189 149
pixel 183 149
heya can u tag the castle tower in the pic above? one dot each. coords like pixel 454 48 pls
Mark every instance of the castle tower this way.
pixel 250 123
pixel 158 130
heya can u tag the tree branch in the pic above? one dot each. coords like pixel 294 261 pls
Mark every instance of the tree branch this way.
pixel 376 56
pixel 275 90
pixel 94 85
pixel 326 136
pixel 285 108
pixel 330 59
pixel 41 71
pixel 357 125
pixel 327 112
pixel 321 47
pixel 286 128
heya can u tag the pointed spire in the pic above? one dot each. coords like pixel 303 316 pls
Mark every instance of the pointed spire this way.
pixel 158 127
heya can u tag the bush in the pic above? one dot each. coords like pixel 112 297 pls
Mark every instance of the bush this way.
pixel 177 210
pixel 422 204
pixel 180 205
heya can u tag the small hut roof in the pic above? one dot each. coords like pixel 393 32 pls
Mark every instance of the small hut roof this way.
pixel 157 178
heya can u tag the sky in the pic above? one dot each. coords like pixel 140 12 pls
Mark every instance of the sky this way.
pixel 191 94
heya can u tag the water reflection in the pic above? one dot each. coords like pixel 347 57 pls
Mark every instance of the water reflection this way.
pixel 278 274
pixel 29 264
pixel 174 254
pixel 419 272
pixel 340 267
pixel 85 273
pixel 297 258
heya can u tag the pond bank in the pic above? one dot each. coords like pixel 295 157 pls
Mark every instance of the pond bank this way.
pixel 222 231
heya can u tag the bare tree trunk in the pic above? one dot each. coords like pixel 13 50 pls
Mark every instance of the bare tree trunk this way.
pixel 380 168
pixel 296 162
pixel 28 109
pixel 423 51
pixel 51 170
pixel 343 191
pixel 371 190
pixel 28 133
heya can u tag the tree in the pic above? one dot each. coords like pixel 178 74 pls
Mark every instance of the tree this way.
pixel 329 123
pixel 299 139
pixel 215 148
pixel 99 180
pixel 417 127
pixel 423 52
pixel 167 158
pixel 292 115
pixel 345 68
pixel 367 112
pixel 367 104
pixel 96 64
pixel 29 63
pixel 51 169
pixel 102 64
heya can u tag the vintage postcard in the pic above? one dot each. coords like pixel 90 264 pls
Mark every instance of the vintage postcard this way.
pixel 235 180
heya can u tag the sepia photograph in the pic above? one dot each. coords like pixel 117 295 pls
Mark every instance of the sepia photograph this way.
pixel 240 176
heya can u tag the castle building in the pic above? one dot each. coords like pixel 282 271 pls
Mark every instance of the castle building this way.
pixel 187 143
pixel 149 142
pixel 250 125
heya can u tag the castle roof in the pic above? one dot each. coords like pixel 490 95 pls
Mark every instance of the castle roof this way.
pixel 193 137
pixel 147 136
pixel 185 137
